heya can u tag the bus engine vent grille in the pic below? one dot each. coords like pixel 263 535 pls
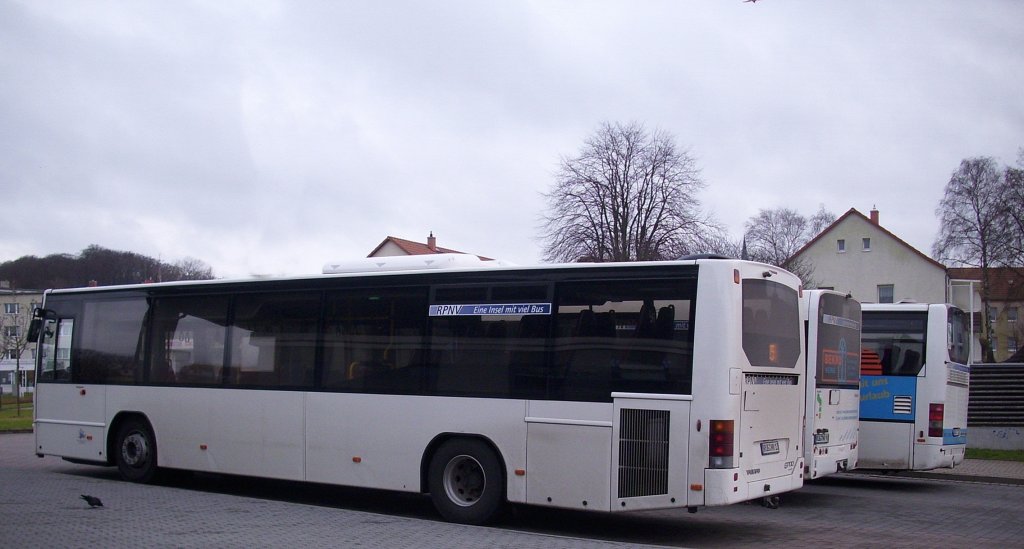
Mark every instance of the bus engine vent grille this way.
pixel 903 404
pixel 643 452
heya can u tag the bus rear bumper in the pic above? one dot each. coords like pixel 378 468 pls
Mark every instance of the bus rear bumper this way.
pixel 836 460
pixel 728 486
pixel 935 456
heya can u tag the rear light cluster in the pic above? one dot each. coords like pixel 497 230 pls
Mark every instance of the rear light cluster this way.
pixel 721 451
pixel 935 413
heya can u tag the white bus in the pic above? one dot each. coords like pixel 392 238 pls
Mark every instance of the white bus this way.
pixel 611 387
pixel 914 385
pixel 833 324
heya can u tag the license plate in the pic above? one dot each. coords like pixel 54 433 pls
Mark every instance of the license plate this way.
pixel 821 438
pixel 769 447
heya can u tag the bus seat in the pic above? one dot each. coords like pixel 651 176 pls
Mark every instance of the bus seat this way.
pixel 665 324
pixel 585 324
pixel 911 359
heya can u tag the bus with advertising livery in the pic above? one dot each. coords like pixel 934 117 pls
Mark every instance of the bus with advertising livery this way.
pixel 602 387
pixel 914 386
pixel 832 324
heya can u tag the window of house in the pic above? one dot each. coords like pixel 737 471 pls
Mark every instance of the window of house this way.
pixel 867 244
pixel 1011 314
pixel 992 314
pixel 1011 345
pixel 841 245
pixel 885 293
pixel 11 331
pixel 12 308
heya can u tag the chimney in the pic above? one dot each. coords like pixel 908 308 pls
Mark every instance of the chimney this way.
pixel 874 215
pixel 432 242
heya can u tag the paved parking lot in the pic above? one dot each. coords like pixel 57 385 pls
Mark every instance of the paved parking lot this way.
pixel 40 507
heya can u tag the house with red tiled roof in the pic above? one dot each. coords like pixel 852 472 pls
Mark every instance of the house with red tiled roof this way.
pixel 394 246
pixel 855 254
pixel 1005 305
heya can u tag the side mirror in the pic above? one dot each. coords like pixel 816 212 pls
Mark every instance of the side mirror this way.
pixel 33 329
pixel 36 325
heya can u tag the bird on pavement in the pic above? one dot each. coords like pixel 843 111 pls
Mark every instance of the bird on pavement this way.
pixel 92 501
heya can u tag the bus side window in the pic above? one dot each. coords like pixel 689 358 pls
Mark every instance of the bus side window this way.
pixel 273 339
pixel 109 342
pixel 188 334
pixel 373 340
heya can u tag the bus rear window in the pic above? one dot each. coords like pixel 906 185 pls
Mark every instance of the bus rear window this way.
pixel 893 343
pixel 839 325
pixel 771 324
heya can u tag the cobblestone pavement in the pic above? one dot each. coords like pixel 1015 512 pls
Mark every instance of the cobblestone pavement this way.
pixel 40 507
pixel 978 470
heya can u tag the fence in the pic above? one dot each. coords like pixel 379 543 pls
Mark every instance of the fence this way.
pixel 995 413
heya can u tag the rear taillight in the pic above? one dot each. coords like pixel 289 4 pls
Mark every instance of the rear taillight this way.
pixel 935 413
pixel 721 450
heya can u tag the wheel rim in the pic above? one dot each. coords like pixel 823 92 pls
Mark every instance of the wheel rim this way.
pixel 464 480
pixel 135 450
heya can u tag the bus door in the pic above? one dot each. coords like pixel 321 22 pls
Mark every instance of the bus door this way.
pixel 69 417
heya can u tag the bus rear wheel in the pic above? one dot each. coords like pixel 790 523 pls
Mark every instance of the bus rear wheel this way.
pixel 135 452
pixel 466 481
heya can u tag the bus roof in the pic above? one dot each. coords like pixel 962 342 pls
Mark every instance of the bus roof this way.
pixel 440 272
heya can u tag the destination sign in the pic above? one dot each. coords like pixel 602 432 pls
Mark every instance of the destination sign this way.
pixel 491 309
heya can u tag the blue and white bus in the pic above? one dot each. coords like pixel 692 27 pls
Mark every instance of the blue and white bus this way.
pixel 833 327
pixel 914 386
pixel 611 387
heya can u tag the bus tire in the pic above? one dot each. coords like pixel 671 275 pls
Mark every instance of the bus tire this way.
pixel 466 481
pixel 135 451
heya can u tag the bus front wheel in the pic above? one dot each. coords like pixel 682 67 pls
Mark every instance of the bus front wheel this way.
pixel 466 482
pixel 135 452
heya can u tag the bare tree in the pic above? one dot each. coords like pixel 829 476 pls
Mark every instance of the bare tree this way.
pixel 974 226
pixel 629 195
pixel 819 222
pixel 14 341
pixel 1013 179
pixel 191 268
pixel 774 235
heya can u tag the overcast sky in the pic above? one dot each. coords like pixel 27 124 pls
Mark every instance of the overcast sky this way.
pixel 273 137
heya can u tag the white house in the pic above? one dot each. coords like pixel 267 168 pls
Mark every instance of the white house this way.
pixel 856 254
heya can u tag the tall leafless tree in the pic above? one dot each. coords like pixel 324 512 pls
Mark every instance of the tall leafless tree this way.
pixel 773 236
pixel 819 221
pixel 1013 178
pixel 629 195
pixel 975 226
